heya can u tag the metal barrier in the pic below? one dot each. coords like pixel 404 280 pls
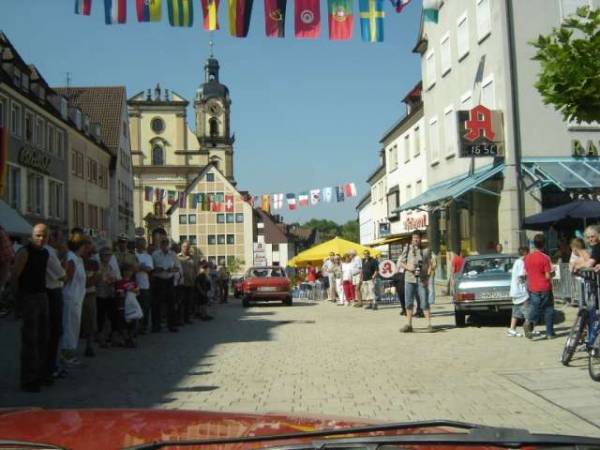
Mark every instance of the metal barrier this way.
pixel 566 285
pixel 310 291
pixel 386 293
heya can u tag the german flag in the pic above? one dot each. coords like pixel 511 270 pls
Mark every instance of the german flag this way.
pixel 181 13
pixel 239 17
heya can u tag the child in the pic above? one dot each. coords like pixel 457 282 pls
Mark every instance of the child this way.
pixel 579 255
pixel 518 293
pixel 125 285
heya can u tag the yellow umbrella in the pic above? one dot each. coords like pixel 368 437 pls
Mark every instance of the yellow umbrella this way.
pixel 319 252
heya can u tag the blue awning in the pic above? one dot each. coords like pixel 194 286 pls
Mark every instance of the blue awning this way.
pixel 564 173
pixel 454 188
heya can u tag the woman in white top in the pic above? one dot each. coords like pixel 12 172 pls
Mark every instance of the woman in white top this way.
pixel 518 293
pixel 73 295
pixel 348 270
pixel 579 255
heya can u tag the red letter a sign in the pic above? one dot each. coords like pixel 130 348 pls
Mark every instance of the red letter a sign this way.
pixel 480 122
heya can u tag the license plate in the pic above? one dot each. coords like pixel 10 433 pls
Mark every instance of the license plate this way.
pixel 490 295
pixel 267 289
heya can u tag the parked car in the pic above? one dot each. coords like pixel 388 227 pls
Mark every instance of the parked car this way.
pixel 483 284
pixel 266 284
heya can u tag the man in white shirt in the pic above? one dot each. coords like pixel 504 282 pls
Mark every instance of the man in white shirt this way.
pixel 356 276
pixel 142 278
pixel 165 267
pixel 55 275
pixel 327 272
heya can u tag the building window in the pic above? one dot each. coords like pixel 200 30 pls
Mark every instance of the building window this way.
pixel 450 135
pixel 213 125
pixel 393 158
pixel 210 177
pixel 393 200
pixel 239 218
pixel 60 144
pixel 407 147
pixel 417 133
pixel 484 19
pixel 229 218
pixel 446 54
pixel 92 171
pixel 192 219
pixel 29 126
pixel 569 7
pixel 103 219
pixel 14 187
pixel 182 238
pixel 35 194
pixel 51 140
pixel 221 239
pixel 93 217
pixel 430 68
pixel 230 239
pixel 183 219
pixel 488 96
pixel 220 218
pixel 103 177
pixel 77 163
pixel 408 192
pixel 466 102
pixel 157 124
pixel 55 204
pixel 462 36
pixel 15 120
pixel 193 239
pixel 418 187
pixel 157 156
pixel 212 259
pixel 17 77
pixel 40 134
pixel 222 261
pixel 212 239
pixel 3 113
pixel 434 140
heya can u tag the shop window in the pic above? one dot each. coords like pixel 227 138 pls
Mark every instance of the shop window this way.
pixel 157 156
pixel 183 219
pixel 229 218
pixel 221 239
pixel 230 239
pixel 484 19
pixel 192 219
pixel 212 239
pixel 16 125
pixel 462 36
pixel 239 218
pixel 220 218
pixel 14 187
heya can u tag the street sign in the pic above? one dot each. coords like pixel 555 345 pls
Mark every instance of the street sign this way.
pixel 387 268
pixel 481 133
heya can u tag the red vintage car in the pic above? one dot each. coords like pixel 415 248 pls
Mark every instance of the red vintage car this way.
pixel 266 284
pixel 175 429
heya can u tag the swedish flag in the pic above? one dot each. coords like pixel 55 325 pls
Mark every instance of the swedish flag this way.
pixel 371 20
pixel 181 13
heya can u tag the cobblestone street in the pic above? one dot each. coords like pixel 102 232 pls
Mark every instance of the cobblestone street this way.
pixel 329 360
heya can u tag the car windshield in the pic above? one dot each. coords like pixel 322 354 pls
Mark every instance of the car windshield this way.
pixel 266 272
pixel 486 266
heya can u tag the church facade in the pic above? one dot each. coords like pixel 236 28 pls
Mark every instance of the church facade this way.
pixel 168 157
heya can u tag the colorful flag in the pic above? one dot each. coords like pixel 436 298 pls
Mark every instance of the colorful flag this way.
pixel 171 197
pixel 431 9
pixel 83 7
pixel 277 202
pixel 327 194
pixel 350 190
pixel 209 12
pixel 229 203
pixel 148 10
pixel 265 204
pixel 340 19
pixel 181 13
pixel 315 196
pixel 239 17
pixel 181 199
pixel 255 201
pixel 115 11
pixel 203 201
pixel 194 200
pixel 275 17
pixel 217 203
pixel 371 20
pixel 148 190
pixel 303 198
pixel 399 4
pixel 339 192
pixel 3 158
pixel 291 201
pixel 307 18
pixel 160 194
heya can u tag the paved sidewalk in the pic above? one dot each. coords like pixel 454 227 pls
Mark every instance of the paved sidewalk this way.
pixel 319 358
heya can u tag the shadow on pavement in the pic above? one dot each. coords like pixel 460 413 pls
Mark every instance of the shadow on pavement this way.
pixel 151 375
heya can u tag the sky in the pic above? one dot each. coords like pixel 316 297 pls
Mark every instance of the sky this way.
pixel 306 113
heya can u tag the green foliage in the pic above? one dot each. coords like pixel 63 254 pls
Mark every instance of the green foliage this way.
pixel 570 66
pixel 350 231
pixel 235 265
pixel 328 229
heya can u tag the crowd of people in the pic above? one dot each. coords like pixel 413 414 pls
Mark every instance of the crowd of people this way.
pixel 77 294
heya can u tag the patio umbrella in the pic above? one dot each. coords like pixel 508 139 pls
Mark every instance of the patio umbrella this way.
pixel 563 215
pixel 319 252
pixel 12 221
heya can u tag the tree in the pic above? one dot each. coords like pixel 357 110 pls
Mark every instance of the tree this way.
pixel 235 265
pixel 328 229
pixel 350 231
pixel 570 63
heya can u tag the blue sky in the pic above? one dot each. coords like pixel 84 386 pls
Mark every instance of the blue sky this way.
pixel 306 113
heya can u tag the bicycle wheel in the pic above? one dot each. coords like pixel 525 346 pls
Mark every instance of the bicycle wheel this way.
pixel 574 338
pixel 594 359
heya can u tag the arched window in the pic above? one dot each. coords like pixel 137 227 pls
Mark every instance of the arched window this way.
pixel 213 125
pixel 157 156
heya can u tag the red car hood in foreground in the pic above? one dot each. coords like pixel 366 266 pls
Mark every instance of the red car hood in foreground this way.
pixel 117 429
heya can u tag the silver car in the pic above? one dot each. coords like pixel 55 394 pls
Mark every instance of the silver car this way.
pixel 483 284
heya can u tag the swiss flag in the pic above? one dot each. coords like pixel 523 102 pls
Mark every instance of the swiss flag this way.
pixel 229 203
pixel 307 18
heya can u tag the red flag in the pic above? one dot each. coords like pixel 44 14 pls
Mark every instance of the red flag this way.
pixel 307 18
pixel 340 19
pixel 275 17
pixel 229 203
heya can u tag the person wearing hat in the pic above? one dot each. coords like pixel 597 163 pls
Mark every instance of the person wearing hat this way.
pixel 123 254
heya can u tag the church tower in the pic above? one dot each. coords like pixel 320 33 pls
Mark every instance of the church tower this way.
pixel 213 127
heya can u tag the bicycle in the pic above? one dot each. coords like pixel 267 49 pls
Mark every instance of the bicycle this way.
pixel 577 335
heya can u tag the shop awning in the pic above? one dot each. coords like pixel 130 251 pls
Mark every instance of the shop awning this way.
pixel 454 188
pixel 12 221
pixel 564 173
pixel 389 240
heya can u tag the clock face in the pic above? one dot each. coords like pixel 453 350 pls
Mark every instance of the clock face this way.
pixel 214 108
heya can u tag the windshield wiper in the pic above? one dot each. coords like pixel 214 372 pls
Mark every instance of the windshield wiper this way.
pixel 5 443
pixel 476 434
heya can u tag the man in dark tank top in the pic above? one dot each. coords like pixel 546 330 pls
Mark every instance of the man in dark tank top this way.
pixel 29 278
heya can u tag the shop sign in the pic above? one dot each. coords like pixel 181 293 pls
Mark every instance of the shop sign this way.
pixel 387 268
pixel 416 221
pixel 578 149
pixel 481 133
pixel 34 159
pixel 260 257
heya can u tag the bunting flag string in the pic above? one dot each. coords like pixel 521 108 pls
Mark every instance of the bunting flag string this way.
pixel 210 10
pixel 399 4
pixel 371 20
pixel 115 11
pixel 83 7
pixel 341 19
pixel 239 17
pixel 181 13
pixel 148 10
pixel 307 19
pixel 275 18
